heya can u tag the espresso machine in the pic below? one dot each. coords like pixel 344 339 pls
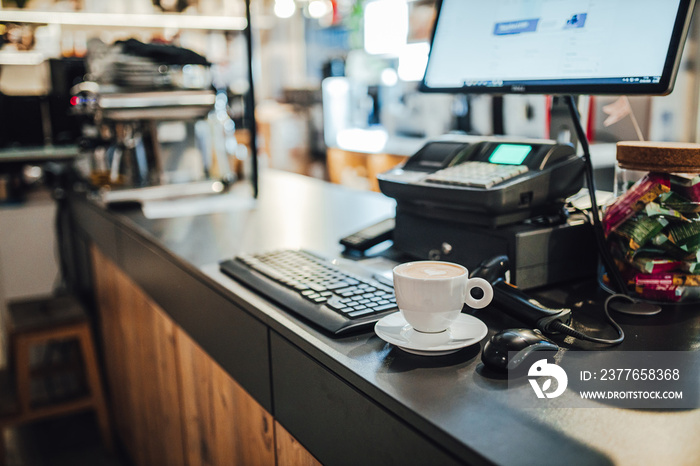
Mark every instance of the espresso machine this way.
pixel 154 131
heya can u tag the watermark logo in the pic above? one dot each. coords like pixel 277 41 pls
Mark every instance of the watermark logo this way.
pixel 604 379
pixel 542 369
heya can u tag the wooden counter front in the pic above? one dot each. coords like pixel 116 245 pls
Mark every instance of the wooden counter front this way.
pixel 172 404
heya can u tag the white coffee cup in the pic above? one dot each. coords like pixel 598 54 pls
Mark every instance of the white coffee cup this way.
pixel 431 294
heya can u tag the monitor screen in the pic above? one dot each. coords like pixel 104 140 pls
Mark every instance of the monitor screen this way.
pixel 557 46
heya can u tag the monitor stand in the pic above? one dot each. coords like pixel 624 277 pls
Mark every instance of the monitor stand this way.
pixel 617 282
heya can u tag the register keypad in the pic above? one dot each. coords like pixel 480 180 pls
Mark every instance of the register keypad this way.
pixel 477 174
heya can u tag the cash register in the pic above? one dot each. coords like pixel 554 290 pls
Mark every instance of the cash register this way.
pixel 466 199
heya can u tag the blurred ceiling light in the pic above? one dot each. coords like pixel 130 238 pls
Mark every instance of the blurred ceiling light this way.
pixel 389 77
pixel 386 26
pixel 319 8
pixel 285 8
pixel 168 5
pixel 362 140
pixel 413 60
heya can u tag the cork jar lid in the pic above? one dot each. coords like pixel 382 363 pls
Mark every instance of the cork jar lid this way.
pixel 665 157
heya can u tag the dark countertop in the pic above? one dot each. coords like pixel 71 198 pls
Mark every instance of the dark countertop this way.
pixel 452 400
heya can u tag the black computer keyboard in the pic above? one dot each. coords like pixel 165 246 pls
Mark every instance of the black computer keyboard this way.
pixel 322 292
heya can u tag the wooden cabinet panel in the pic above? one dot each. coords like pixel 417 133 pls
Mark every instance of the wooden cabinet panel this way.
pixel 173 405
pixel 223 424
pixel 131 380
pixel 227 332
pixel 140 357
pixel 289 451
pixel 106 284
pixel 159 377
pixel 359 168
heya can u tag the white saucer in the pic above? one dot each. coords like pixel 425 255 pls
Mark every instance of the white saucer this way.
pixel 465 331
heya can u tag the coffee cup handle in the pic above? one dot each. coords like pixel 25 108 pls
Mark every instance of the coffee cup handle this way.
pixel 485 286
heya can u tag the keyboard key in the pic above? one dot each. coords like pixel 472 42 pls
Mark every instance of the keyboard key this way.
pixel 385 307
pixel 337 285
pixel 348 289
pixel 317 287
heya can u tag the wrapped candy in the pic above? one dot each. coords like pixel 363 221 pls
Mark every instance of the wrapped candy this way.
pixel 686 236
pixel 648 265
pixel 673 200
pixel 667 279
pixel 639 230
pixel 654 209
pixel 635 199
pixel 687 186
pixel 653 231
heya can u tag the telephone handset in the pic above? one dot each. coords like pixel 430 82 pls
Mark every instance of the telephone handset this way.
pixel 493 181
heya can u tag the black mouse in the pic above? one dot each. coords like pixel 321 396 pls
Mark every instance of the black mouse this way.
pixel 522 341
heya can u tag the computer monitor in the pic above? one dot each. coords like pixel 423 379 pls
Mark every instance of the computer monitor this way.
pixel 557 46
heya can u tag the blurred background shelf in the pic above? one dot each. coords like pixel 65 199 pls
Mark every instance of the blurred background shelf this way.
pixel 128 20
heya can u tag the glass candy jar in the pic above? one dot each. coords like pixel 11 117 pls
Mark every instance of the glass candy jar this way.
pixel 652 228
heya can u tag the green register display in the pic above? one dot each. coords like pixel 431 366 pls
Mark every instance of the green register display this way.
pixel 510 154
